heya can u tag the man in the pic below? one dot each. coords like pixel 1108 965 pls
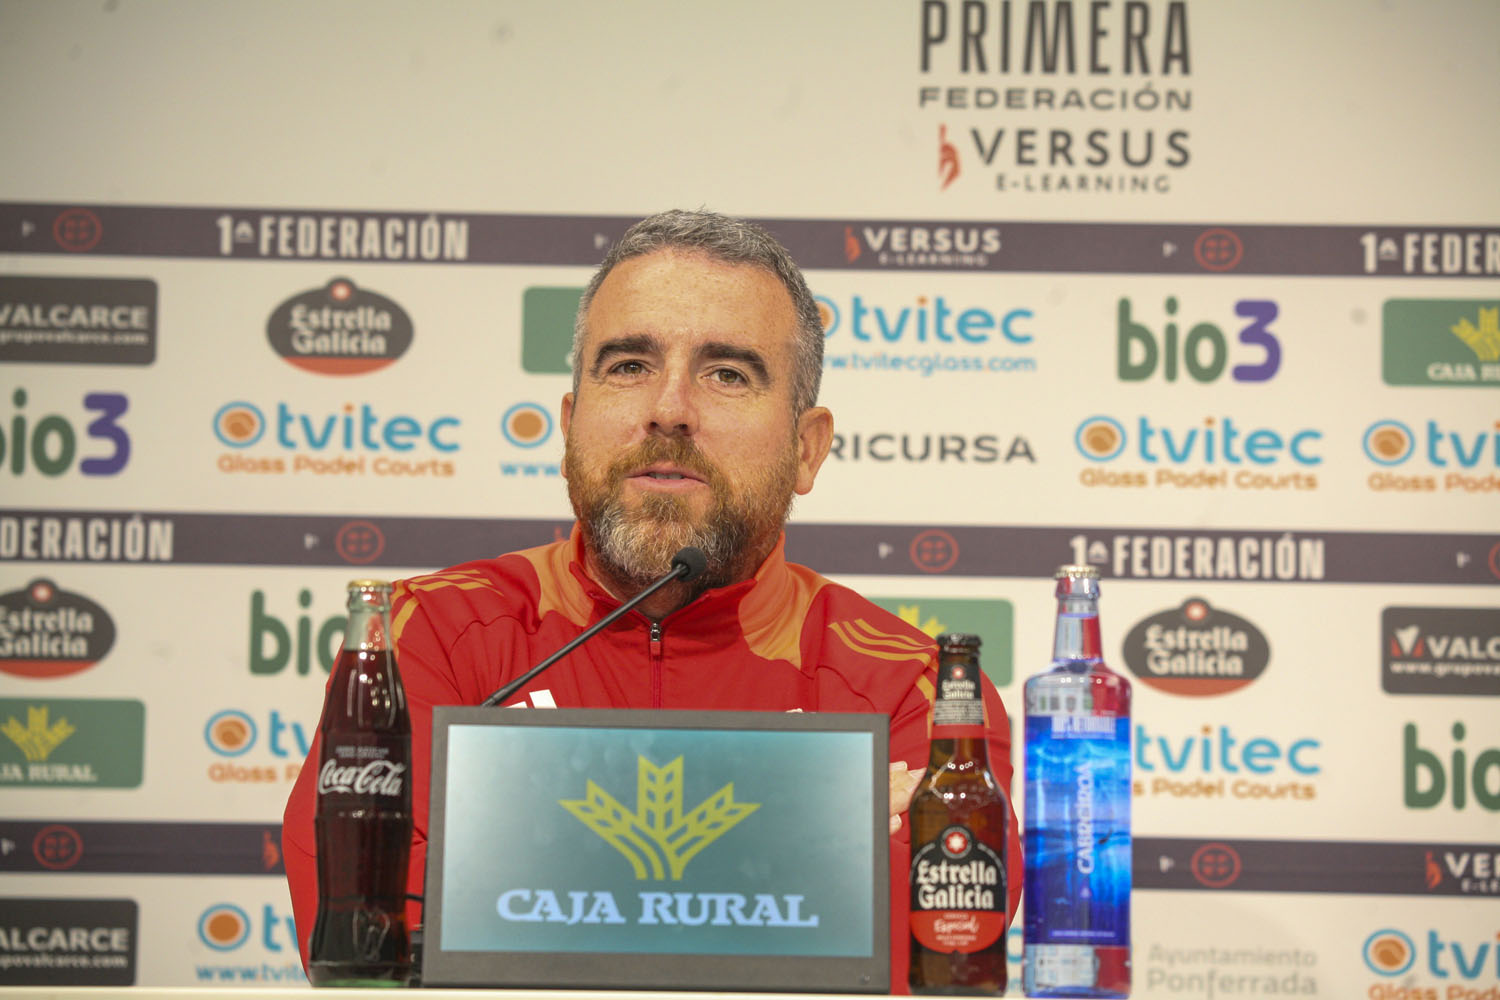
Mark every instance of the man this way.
pixel 696 360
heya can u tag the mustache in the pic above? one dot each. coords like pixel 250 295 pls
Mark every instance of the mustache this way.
pixel 679 451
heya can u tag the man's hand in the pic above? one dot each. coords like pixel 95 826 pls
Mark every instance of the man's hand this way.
pixel 903 782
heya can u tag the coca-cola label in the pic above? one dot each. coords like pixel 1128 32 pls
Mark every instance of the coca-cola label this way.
pixel 376 777
pixel 958 894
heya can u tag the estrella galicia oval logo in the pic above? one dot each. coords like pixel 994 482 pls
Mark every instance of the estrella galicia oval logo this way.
pixel 223 927
pixel 526 425
pixel 47 632
pixel 239 424
pixel 339 329
pixel 1196 650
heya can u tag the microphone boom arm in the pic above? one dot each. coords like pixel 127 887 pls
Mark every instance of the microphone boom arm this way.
pixel 686 564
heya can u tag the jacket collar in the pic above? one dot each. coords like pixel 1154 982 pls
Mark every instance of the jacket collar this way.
pixel 745 607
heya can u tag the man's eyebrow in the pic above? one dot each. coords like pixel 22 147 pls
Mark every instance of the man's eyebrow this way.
pixel 637 343
pixel 716 350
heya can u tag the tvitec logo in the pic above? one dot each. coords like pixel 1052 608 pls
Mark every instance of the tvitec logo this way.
pixel 1219 454
pixel 1217 763
pixel 248 758
pixel 356 440
pixel 926 336
pixel 528 426
pixel 230 932
pixel 1449 458
pixel 1391 952
pixel 49 444
pixel 1203 352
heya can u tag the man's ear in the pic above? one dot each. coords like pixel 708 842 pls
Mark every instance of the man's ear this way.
pixel 566 419
pixel 814 437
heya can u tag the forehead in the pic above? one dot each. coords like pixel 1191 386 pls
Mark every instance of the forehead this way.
pixel 685 297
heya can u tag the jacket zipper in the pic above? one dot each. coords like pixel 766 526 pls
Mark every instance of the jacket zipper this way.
pixel 655 645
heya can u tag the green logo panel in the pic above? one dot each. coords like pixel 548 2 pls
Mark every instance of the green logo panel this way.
pixel 615 840
pixel 991 619
pixel 71 743
pixel 547 329
pixel 1446 342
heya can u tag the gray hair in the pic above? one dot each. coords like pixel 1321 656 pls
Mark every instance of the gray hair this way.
pixel 732 241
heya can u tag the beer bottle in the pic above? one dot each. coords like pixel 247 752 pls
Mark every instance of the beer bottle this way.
pixel 363 820
pixel 1077 831
pixel 959 821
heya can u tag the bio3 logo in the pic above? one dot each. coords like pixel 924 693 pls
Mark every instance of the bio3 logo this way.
pixel 277 641
pixel 1203 352
pixel 1427 779
pixel 50 443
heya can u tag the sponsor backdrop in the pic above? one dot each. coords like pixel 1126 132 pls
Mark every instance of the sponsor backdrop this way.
pixel 1206 294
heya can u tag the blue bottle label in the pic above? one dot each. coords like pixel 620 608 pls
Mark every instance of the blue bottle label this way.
pixel 1077 841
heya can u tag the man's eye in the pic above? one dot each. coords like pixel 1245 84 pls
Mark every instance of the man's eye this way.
pixel 628 368
pixel 728 376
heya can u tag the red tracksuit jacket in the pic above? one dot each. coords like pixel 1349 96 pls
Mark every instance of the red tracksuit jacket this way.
pixel 786 639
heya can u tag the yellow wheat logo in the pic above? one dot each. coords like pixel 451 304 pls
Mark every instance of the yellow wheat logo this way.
pixel 37 739
pixel 912 615
pixel 658 839
pixel 1484 339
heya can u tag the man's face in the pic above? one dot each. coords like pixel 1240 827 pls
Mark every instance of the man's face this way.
pixel 681 431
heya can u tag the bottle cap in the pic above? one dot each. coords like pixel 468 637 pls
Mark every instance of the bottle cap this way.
pixel 958 640
pixel 384 585
pixel 1075 580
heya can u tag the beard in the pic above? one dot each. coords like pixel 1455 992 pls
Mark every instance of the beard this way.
pixel 633 546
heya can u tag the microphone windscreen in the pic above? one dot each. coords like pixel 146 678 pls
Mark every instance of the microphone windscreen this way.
pixel 691 557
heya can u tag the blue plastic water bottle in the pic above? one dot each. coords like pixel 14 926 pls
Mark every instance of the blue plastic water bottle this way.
pixel 1077 821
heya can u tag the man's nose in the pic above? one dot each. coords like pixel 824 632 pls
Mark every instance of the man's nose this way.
pixel 674 408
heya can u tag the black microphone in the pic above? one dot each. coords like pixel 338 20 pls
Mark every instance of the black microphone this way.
pixel 689 563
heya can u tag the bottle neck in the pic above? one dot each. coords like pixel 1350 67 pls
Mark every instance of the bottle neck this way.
pixel 958 709
pixel 1077 637
pixel 367 628
pixel 958 753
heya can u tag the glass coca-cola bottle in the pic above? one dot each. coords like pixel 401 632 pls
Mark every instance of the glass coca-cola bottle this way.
pixel 364 820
